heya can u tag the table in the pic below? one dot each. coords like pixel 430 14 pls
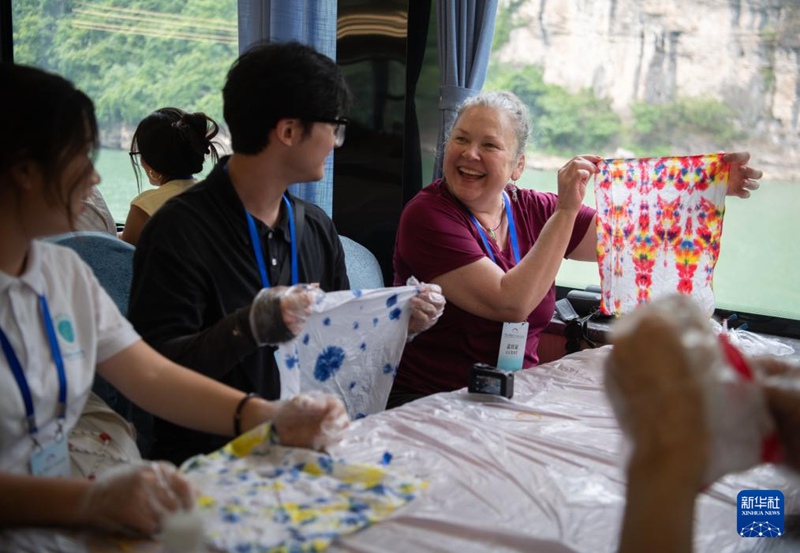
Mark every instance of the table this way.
pixel 542 472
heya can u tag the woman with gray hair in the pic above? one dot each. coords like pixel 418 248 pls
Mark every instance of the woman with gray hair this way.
pixel 494 248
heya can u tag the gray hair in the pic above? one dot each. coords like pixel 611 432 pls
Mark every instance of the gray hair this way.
pixel 507 102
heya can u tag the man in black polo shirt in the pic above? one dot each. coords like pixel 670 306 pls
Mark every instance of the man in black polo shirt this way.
pixel 205 255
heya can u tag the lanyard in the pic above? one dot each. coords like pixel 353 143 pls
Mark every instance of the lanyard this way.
pixel 512 231
pixel 256 241
pixel 19 374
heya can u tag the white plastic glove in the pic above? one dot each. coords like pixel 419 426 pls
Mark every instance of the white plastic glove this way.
pixel 315 421
pixel 134 499
pixel 426 307
pixel 278 314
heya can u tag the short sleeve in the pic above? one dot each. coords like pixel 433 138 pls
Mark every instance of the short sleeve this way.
pixel 581 227
pixel 433 238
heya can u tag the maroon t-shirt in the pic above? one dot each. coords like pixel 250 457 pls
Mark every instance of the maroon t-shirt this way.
pixel 436 235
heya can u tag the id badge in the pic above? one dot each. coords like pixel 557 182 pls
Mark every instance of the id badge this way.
pixel 512 346
pixel 52 459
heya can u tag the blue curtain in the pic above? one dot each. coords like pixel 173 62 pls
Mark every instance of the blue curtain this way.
pixel 311 22
pixel 466 28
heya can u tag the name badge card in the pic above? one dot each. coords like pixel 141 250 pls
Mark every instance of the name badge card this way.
pixel 52 459
pixel 512 346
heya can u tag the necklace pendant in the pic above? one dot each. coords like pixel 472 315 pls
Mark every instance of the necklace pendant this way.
pixel 492 235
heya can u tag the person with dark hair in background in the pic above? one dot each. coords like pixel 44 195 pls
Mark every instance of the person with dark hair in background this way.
pixel 58 325
pixel 172 146
pixel 207 262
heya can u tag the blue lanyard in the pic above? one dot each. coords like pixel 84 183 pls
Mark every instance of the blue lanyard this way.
pixel 512 231
pixel 19 374
pixel 256 241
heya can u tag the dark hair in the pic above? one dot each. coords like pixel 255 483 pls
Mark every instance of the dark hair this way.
pixel 273 81
pixel 174 143
pixel 47 121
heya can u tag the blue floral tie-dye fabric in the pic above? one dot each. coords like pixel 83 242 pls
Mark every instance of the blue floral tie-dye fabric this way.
pixel 350 347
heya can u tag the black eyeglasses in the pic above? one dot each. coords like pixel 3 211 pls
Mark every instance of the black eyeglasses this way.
pixel 339 130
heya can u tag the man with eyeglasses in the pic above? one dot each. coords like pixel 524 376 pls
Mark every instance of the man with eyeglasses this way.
pixel 208 262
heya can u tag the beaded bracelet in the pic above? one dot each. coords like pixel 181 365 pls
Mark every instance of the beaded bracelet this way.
pixel 237 416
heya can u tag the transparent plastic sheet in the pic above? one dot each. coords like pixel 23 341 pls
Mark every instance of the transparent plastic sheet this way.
pixel 540 472
pixel 500 471
pixel 753 344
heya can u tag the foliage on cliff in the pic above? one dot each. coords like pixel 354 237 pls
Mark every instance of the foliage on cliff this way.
pixel 562 122
pixel 131 58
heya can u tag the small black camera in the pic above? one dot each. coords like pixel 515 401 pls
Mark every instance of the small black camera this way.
pixel 485 379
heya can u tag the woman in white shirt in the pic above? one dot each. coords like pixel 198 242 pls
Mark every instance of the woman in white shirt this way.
pixel 57 325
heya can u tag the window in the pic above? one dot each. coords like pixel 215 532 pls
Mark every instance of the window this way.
pixel 131 58
pixel 678 78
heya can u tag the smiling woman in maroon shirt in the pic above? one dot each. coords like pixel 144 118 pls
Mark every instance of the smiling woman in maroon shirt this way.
pixel 494 248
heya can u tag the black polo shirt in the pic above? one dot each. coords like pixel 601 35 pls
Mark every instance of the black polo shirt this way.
pixel 194 277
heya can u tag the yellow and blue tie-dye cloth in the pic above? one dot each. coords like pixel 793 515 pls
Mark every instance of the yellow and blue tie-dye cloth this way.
pixel 258 496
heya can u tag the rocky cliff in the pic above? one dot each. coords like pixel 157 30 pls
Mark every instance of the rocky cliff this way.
pixel 745 53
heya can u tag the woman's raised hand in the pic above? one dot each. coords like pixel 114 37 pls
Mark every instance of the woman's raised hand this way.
pixel 742 178
pixel 572 180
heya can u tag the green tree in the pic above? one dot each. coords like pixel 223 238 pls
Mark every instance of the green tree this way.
pixel 132 57
pixel 658 128
pixel 526 82
pixel 574 123
pixel 563 123
pixel 506 20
